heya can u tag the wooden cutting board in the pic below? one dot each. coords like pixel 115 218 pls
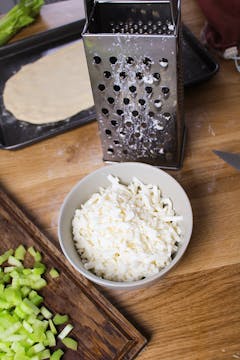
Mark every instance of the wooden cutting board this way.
pixel 102 332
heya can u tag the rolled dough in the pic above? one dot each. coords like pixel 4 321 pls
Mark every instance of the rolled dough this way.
pixel 51 89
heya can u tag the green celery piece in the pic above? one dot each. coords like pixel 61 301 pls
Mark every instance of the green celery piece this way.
pixel 45 312
pixel 54 273
pixel 35 254
pixel 20 252
pixel 52 327
pixel 25 290
pixel 70 343
pixel 19 312
pixel 38 347
pixel 27 326
pixel 19 16
pixel 13 261
pixel 45 354
pixel 4 304
pixel 8 269
pixel 28 307
pixel 51 341
pixel 13 296
pixel 56 355
pixel 60 319
pixel 66 330
pixel 4 257
pixel 37 300
pixel 39 284
pixel 38 270
pixel 12 329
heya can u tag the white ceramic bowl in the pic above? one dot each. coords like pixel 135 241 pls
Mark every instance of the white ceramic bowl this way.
pixel 125 171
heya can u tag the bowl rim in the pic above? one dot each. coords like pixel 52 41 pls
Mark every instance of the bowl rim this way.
pixel 126 284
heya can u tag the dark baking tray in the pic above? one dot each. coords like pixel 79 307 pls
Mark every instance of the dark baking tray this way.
pixel 198 66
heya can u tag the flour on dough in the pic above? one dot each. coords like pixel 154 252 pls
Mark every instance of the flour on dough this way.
pixel 51 89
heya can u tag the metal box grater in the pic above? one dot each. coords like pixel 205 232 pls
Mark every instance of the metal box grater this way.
pixel 133 51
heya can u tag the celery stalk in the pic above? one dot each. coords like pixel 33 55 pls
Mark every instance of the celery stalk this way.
pixel 57 355
pixel 60 319
pixel 18 17
pixel 70 343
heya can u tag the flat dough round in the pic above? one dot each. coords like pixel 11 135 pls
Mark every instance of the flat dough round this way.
pixel 51 89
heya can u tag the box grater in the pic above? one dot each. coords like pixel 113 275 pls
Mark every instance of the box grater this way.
pixel 133 51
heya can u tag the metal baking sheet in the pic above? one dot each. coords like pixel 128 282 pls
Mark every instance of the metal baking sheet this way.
pixel 198 64
pixel 14 134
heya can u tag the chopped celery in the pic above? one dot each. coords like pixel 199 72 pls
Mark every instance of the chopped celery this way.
pixel 38 347
pixel 70 343
pixel 66 330
pixel 57 355
pixel 60 319
pixel 20 252
pixel 8 269
pixel 26 328
pixel 52 327
pixel 51 341
pixel 4 257
pixel 54 273
pixel 35 254
pixel 45 312
pixel 45 354
pixel 15 262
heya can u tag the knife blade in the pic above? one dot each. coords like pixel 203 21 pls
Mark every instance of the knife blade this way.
pixel 230 158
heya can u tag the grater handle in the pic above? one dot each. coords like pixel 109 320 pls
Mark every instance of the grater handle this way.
pixel 175 11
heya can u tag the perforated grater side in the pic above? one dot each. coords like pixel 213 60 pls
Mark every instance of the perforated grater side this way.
pixel 133 50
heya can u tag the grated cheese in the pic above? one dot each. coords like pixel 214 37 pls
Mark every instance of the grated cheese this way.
pixel 126 233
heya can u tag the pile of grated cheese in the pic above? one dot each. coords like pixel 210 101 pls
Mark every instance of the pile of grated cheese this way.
pixel 126 233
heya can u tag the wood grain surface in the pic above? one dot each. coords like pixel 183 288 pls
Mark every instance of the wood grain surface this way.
pixel 101 331
pixel 194 312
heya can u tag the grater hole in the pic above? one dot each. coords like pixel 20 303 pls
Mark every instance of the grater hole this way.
pixel 167 116
pixel 144 125
pixel 116 142
pixel 157 103
pixel 113 59
pixel 128 123
pixel 163 63
pixel 114 122
pixel 116 87
pixel 122 133
pixel 125 152
pixel 135 113
pixel 97 59
pixel 107 74
pixel 132 88
pixel 110 151
pixel 165 90
pixel 139 75
pixel 108 132
pixel 104 111
pixel 119 112
pixel 151 114
pixel 101 87
pixel 110 100
pixel 141 101
pixel 148 89
pixel 147 61
pixel 137 135
pixel 130 60
pixel 123 75
pixel 156 76
pixel 126 101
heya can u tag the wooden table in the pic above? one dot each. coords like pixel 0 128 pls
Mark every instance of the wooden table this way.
pixel 194 312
